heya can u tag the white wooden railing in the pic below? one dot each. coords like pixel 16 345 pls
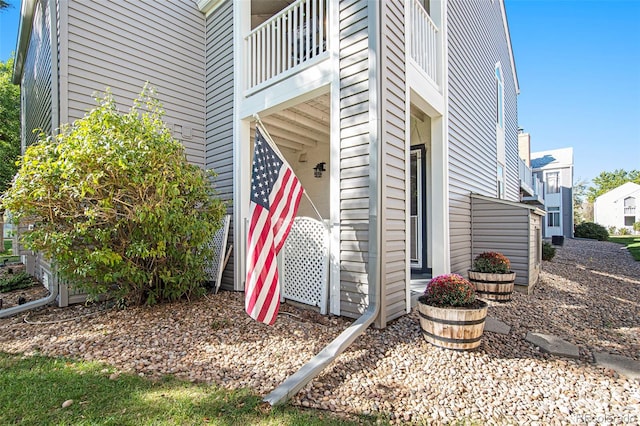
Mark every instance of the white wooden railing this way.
pixel 425 46
pixel 295 36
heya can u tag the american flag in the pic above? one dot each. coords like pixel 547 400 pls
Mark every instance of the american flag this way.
pixel 275 196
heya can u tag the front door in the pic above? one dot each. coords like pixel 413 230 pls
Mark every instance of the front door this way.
pixel 418 232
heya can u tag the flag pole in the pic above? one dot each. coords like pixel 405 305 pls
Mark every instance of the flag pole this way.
pixel 273 145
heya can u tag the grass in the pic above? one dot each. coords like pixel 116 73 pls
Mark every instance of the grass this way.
pixel 8 253
pixel 33 389
pixel 631 241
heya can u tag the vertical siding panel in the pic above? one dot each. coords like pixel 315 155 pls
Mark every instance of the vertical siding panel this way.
pixel 219 116
pixel 477 41
pixel 393 256
pixel 122 45
pixel 37 82
pixel 354 159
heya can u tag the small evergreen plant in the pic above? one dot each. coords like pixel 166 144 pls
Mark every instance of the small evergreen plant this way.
pixel 592 231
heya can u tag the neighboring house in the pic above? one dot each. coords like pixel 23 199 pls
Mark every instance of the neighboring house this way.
pixel 619 208
pixel 408 106
pixel 555 169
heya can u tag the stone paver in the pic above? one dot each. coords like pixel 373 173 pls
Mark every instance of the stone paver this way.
pixel 553 345
pixel 494 325
pixel 623 365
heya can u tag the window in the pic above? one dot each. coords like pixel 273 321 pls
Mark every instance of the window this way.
pixel 499 97
pixel 630 206
pixel 500 180
pixel 553 217
pixel 552 183
pixel 629 220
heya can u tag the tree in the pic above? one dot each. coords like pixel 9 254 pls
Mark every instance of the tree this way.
pixel 9 132
pixel 4 5
pixel 579 197
pixel 606 181
pixel 116 205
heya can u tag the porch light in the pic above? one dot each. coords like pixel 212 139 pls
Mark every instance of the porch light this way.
pixel 318 169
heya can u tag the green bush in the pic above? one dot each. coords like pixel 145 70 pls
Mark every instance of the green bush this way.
pixel 592 231
pixel 11 282
pixel 623 231
pixel 612 230
pixel 548 251
pixel 636 226
pixel 116 205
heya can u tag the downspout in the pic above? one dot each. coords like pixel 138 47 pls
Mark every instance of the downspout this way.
pixel 55 96
pixel 314 367
pixel 33 304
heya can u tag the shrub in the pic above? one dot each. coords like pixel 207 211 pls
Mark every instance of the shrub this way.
pixel 491 262
pixel 116 205
pixel 548 251
pixel 612 230
pixel 449 290
pixel 592 231
pixel 636 226
pixel 623 231
pixel 12 282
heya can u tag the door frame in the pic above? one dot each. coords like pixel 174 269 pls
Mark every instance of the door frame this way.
pixel 422 265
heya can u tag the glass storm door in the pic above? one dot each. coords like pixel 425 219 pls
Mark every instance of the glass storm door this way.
pixel 416 241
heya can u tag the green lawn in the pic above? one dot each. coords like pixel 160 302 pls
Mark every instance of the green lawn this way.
pixel 7 253
pixel 631 241
pixel 33 389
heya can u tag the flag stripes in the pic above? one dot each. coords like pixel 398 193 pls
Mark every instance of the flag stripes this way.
pixel 275 196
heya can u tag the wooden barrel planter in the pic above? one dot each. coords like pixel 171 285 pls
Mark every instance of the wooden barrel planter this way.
pixel 453 328
pixel 498 287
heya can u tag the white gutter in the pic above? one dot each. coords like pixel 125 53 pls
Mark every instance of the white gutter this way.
pixel 310 370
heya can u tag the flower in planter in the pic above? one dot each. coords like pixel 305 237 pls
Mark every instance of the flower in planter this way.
pixel 449 290
pixel 491 262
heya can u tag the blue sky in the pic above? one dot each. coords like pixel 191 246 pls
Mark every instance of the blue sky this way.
pixel 578 64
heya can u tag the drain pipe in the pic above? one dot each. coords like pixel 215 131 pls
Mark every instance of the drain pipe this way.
pixel 314 367
pixel 53 293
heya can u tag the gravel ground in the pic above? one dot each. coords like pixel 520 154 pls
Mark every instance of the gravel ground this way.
pixel 589 295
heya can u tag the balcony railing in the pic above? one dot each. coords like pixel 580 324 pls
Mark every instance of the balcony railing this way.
pixel 531 185
pixel 282 44
pixel 629 210
pixel 425 41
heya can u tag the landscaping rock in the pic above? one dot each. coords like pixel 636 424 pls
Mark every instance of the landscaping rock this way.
pixel 588 296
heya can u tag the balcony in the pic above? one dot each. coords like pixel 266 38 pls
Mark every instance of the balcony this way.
pixel 425 43
pixel 530 186
pixel 286 43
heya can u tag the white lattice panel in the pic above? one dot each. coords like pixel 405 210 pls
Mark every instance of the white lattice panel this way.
pixel 214 269
pixel 306 263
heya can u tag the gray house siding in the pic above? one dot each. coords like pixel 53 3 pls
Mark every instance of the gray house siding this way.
pixel 36 84
pixel 566 192
pixel 122 45
pixel 354 156
pixel 511 229
pixel 477 41
pixel 219 117
pixel 393 256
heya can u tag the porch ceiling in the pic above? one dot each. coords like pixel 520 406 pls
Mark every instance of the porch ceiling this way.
pixel 303 125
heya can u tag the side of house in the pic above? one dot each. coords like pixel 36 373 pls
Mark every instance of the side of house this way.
pixel 70 51
pixel 391 114
pixel 618 208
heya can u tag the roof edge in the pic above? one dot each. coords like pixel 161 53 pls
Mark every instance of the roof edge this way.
pixel 511 57
pixel 24 34
pixel 533 209
pixel 208 6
